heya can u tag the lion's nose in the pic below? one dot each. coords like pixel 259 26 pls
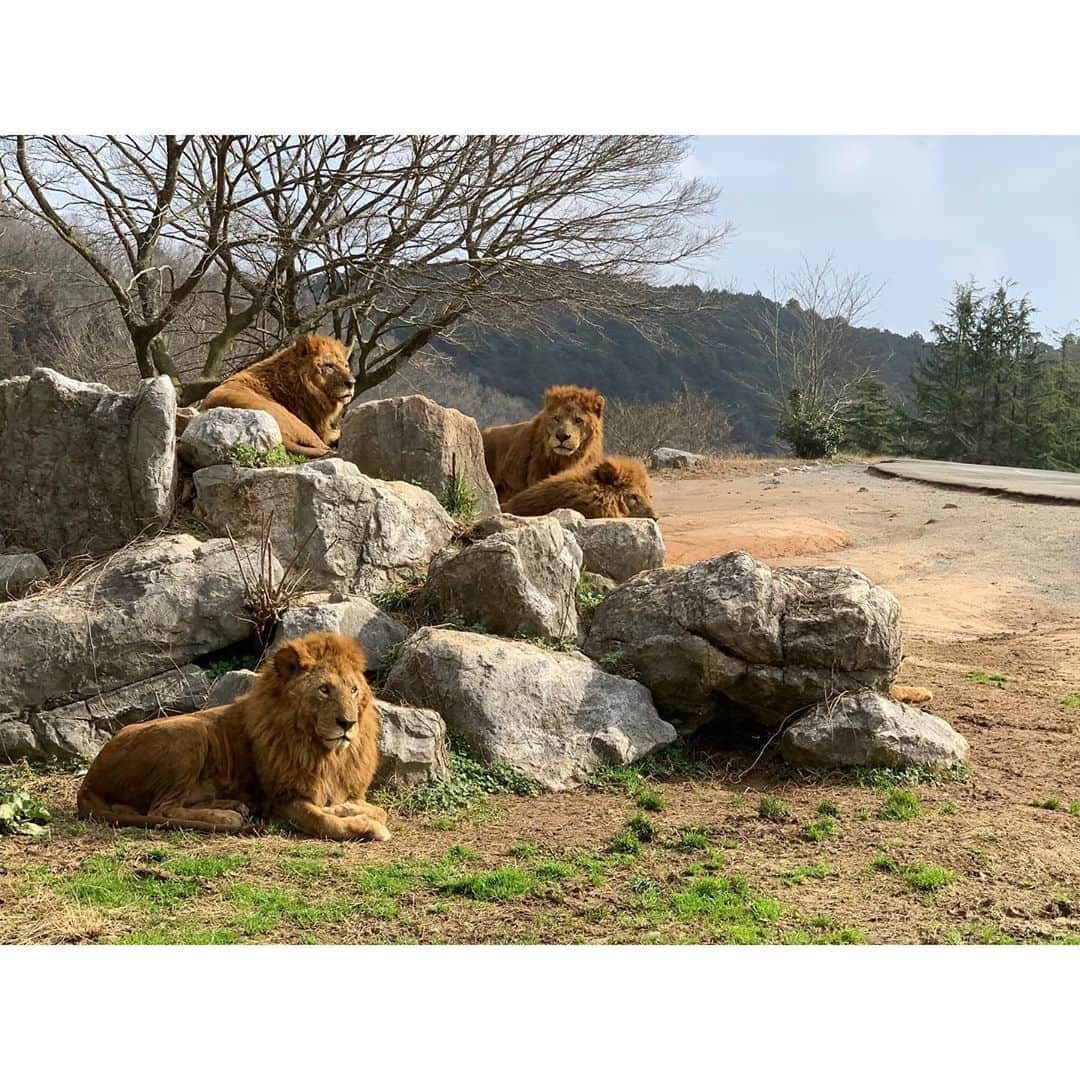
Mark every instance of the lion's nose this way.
pixel 345 723
pixel 562 436
pixel 350 382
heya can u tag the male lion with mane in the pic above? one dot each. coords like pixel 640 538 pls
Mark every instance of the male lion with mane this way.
pixel 300 745
pixel 304 387
pixel 568 431
pixel 616 487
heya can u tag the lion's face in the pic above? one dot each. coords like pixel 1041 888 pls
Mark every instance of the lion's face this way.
pixel 629 482
pixel 571 420
pixel 638 505
pixel 327 366
pixel 325 687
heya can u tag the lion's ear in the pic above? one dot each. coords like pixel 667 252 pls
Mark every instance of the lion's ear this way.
pixel 606 472
pixel 303 345
pixel 291 659
pixel 598 404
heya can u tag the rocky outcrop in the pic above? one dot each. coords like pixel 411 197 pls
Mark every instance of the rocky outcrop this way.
pixel 517 582
pixel 868 728
pixel 666 457
pixel 554 716
pixel 81 729
pixel 353 616
pixel 84 469
pixel 210 437
pixel 148 610
pixel 18 573
pixel 346 530
pixel 413 439
pixel 728 636
pixel 617 548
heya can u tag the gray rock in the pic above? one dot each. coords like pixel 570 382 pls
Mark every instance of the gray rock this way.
pixel 867 728
pixel 728 635
pixel 18 573
pixel 81 729
pixel 150 609
pixel 554 716
pixel 229 685
pixel 413 439
pixel 210 437
pixel 412 742
pixel 518 582
pixel 353 616
pixel 412 746
pixel 84 469
pixel 617 548
pixel 666 457
pixel 355 533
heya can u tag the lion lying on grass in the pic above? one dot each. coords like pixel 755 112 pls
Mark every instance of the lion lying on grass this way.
pixel 569 430
pixel 300 745
pixel 304 387
pixel 616 487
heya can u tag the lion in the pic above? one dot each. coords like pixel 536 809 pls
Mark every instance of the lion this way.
pixel 615 487
pixel 569 430
pixel 304 387
pixel 300 745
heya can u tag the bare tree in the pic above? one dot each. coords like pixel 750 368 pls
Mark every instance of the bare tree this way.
pixel 692 420
pixel 816 366
pixel 386 241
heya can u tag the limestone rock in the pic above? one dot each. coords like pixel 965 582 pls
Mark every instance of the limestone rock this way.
pixel 554 716
pixel 210 437
pixel 355 533
pixel 353 616
pixel 18 573
pixel 519 582
pixel 868 728
pixel 728 635
pixel 666 457
pixel 84 469
pixel 413 439
pixel 412 746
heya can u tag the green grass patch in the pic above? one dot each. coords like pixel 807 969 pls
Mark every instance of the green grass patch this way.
pixel 180 937
pixel 900 805
pixel 1072 700
pixel 642 828
pixel 1074 808
pixel 827 809
pixel 771 808
pixel 994 678
pixel 261 910
pixel 250 458
pixel 1047 804
pixel 506 883
pixel 728 907
pixel 591 591
pixel 208 866
pixel 399 597
pixel 625 843
pixel 106 882
pixel 459 499
pixel 650 799
pixel 821 828
pixel 880 776
pixel 796 875
pixel 692 838
pixel 883 862
pixel 928 877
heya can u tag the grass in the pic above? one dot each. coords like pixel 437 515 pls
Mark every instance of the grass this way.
pixel 798 874
pixel 590 592
pixel 993 678
pixel 692 838
pixel 106 882
pixel 821 828
pixel 1047 804
pixel 827 809
pixel 1072 700
pixel 928 877
pixel 879 776
pixel 1074 809
pixel 459 499
pixel 22 813
pixel 771 808
pixel 728 907
pixel 650 799
pixel 883 862
pixel 400 595
pixel 900 805
pixel 246 455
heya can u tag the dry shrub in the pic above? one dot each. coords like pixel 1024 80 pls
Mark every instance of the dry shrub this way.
pixel 692 420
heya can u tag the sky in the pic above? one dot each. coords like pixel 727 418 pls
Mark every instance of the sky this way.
pixel 916 214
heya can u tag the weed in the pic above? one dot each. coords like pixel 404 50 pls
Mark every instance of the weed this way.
pixel 878 776
pixel 591 591
pixel 1074 809
pixel 772 808
pixel 506 883
pixel 459 499
pixel 216 668
pixel 400 595
pixel 1072 700
pixel 106 882
pixel 729 906
pixel 798 874
pixel 524 851
pixel 883 862
pixel 900 805
pixel 650 799
pixel 949 808
pixel 263 909
pixel 246 455
pixel 1047 804
pixel 626 843
pixel 692 838
pixel 993 678
pixel 821 828
pixel 185 937
pixel 928 877
pixel 827 809
pixel 642 828
pixel 21 812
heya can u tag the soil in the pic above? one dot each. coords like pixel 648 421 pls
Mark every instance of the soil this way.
pixel 991 613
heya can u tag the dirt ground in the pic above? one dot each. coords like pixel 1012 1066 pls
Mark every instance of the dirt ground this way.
pixel 991 612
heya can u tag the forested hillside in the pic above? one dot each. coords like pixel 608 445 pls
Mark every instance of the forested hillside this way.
pixel 715 348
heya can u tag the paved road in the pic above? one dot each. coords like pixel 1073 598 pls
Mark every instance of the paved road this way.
pixel 1033 483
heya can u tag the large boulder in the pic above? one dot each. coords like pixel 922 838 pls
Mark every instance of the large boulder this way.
pixel 345 529
pixel 413 439
pixel 728 636
pixel 412 742
pixel 868 728
pixel 554 716
pixel 210 437
pixel 81 729
pixel 617 548
pixel 18 573
pixel 519 582
pixel 84 469
pixel 353 616
pixel 150 609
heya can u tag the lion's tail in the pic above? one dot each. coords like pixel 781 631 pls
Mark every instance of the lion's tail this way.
pixel 91 805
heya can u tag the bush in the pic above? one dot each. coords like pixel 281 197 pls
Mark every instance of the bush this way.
pixel 691 420
pixel 809 428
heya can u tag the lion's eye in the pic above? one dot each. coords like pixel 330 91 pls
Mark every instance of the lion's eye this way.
pixel 326 689
pixel 356 691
